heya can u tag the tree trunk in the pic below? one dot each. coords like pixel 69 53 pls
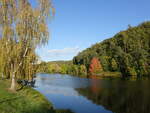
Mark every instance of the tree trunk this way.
pixel 13 82
pixel 2 76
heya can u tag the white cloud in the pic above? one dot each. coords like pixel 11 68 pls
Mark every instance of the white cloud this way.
pixel 64 52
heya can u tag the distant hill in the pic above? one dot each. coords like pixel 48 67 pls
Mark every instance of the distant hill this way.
pixel 54 67
pixel 127 52
pixel 60 62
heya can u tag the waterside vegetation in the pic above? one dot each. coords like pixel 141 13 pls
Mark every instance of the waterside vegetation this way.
pixel 26 100
pixel 127 54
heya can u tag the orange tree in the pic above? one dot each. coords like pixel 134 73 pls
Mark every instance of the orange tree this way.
pixel 95 66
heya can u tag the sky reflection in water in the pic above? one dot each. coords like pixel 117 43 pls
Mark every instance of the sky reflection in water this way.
pixel 61 91
pixel 83 95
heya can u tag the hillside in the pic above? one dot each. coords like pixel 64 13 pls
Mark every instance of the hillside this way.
pixel 127 52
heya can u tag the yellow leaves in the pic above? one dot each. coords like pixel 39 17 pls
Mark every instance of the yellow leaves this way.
pixel 7 32
pixel 19 29
pixel 25 14
pixel 36 13
pixel 45 7
pixel 23 27
pixel 26 21
pixel 42 28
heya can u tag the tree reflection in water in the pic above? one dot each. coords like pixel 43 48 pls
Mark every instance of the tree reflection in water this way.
pixel 119 96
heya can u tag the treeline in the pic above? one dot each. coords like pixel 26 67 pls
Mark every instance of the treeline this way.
pixel 127 52
pixel 62 67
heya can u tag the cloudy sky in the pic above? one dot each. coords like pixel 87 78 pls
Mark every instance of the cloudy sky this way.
pixel 80 23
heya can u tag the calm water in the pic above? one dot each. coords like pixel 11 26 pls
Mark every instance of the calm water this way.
pixel 82 95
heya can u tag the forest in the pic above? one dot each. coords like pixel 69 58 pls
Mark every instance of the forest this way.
pixel 128 53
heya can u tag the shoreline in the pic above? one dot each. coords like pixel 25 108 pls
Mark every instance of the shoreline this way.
pixel 27 100
pixel 104 75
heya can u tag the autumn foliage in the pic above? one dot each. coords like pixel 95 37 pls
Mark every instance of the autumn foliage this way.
pixel 95 66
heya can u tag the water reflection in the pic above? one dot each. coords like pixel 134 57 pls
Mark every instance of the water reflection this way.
pixel 120 96
pixel 95 96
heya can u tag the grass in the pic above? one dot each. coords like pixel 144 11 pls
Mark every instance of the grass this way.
pixel 107 74
pixel 26 100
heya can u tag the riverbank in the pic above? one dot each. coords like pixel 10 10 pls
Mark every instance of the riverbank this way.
pixel 24 101
pixel 106 75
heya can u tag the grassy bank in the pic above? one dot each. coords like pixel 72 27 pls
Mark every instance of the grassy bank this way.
pixel 25 101
pixel 107 75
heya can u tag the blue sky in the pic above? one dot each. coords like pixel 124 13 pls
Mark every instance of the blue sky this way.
pixel 80 23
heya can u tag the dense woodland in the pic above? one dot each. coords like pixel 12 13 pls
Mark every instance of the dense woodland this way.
pixel 127 52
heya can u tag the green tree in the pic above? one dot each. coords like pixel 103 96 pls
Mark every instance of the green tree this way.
pixel 126 52
pixel 82 70
pixel 114 65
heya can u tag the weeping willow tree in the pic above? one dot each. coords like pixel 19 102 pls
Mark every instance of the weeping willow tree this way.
pixel 2 59
pixel 23 26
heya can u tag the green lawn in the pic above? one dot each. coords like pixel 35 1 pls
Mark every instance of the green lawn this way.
pixel 24 101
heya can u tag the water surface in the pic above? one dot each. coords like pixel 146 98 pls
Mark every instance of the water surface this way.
pixel 83 95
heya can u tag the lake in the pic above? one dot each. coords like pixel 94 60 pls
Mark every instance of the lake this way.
pixel 83 95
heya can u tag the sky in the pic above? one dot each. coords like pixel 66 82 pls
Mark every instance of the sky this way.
pixel 78 24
